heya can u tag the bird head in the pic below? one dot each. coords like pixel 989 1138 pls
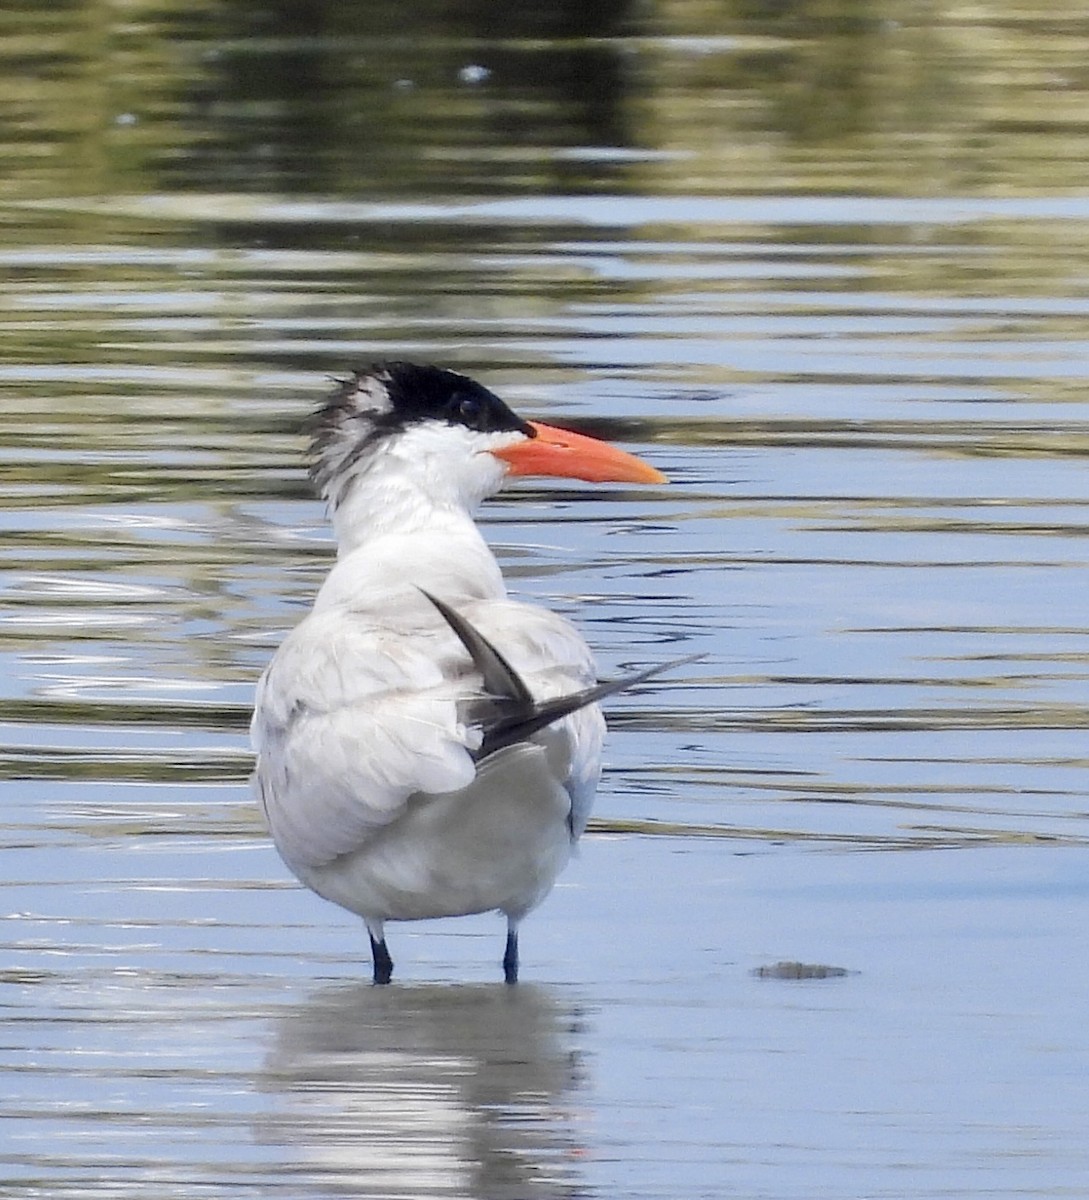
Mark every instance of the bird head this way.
pixel 449 437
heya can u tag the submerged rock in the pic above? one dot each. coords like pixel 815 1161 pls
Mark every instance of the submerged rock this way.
pixel 799 970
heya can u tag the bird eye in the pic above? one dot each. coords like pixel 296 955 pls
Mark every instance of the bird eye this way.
pixel 468 408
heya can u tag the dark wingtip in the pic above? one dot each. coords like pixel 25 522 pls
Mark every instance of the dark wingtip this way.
pixel 501 680
pixel 516 716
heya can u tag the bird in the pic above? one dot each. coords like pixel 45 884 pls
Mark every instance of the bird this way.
pixel 426 745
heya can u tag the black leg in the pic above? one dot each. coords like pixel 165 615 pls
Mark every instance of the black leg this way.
pixel 383 964
pixel 510 957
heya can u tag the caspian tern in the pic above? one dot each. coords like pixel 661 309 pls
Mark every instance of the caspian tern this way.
pixel 428 747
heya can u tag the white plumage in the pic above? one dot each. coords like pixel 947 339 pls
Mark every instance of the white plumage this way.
pixel 369 721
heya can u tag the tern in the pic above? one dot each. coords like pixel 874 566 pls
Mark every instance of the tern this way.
pixel 426 745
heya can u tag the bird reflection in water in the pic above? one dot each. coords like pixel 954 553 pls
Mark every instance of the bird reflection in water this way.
pixel 428 1091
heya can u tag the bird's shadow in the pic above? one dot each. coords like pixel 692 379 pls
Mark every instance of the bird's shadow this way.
pixel 393 1090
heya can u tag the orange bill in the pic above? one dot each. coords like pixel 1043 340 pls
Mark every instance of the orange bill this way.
pixel 575 456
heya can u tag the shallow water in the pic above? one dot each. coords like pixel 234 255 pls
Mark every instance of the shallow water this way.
pixel 827 269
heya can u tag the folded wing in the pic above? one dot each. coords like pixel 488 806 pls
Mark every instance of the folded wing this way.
pixel 352 719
